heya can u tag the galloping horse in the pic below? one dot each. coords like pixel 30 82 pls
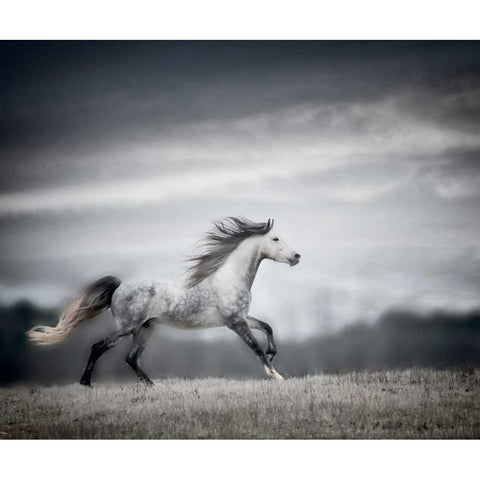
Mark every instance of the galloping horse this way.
pixel 216 294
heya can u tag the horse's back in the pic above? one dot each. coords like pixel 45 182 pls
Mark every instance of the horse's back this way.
pixel 132 300
pixel 186 308
pixel 135 302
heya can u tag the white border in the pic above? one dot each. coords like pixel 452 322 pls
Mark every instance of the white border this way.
pixel 239 460
pixel 235 19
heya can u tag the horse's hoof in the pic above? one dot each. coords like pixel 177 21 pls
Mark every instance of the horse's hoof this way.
pixel 86 383
pixel 274 375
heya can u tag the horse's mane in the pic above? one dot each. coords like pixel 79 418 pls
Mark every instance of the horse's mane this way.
pixel 219 243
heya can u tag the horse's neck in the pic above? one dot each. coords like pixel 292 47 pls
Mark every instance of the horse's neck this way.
pixel 242 264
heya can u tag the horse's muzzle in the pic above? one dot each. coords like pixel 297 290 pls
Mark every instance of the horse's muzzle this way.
pixel 294 260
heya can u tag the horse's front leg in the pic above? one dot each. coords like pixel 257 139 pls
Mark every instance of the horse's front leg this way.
pixel 267 329
pixel 241 328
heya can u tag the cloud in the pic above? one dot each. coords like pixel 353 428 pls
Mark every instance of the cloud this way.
pixel 455 174
pixel 210 156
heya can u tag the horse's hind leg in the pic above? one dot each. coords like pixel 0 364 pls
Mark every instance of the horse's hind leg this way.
pixel 98 349
pixel 140 338
pixel 254 323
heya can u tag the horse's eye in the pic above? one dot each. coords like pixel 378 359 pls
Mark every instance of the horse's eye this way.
pixel 275 239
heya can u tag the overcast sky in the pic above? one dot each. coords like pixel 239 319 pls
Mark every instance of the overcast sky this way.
pixel 116 157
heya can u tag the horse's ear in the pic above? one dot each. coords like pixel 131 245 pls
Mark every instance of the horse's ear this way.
pixel 270 224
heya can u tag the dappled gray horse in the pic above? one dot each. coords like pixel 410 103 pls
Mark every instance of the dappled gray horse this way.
pixel 216 294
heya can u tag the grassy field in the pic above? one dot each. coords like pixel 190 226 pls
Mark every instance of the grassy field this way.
pixel 396 404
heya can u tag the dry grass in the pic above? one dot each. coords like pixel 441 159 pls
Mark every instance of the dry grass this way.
pixel 397 404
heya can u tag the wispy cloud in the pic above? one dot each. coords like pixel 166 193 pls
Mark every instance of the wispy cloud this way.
pixel 209 157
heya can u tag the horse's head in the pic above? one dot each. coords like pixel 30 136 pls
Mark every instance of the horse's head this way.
pixel 275 248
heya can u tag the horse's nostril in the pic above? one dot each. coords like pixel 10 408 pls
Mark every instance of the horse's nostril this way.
pixel 297 255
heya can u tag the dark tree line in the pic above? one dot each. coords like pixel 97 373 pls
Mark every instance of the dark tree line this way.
pixel 400 339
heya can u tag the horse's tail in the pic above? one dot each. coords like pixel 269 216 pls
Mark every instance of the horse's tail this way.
pixel 90 302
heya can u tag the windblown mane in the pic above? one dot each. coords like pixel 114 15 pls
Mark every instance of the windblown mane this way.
pixel 219 243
